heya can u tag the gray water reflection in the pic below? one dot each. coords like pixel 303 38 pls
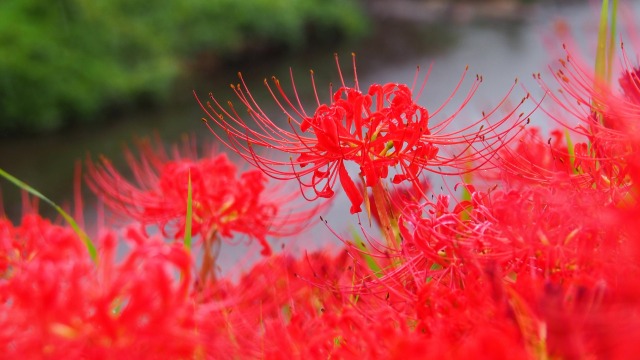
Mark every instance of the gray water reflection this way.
pixel 500 52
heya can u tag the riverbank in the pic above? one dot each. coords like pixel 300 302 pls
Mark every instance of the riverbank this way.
pixel 457 12
pixel 76 62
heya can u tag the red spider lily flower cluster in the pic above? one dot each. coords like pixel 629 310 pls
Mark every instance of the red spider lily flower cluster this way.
pixel 536 258
pixel 56 303
pixel 223 203
pixel 603 116
pixel 377 129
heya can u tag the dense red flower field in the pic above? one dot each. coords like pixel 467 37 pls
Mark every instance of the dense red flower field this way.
pixel 529 250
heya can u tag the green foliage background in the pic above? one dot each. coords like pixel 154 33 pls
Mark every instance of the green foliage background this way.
pixel 69 61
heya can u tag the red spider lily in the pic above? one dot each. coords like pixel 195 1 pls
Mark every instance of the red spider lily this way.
pixel 55 302
pixel 377 129
pixel 224 203
pixel 606 118
pixel 532 159
pixel 276 297
pixel 535 231
pixel 400 196
pixel 490 259
pixel 630 84
pixel 20 244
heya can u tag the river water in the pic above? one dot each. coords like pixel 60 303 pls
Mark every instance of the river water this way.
pixel 500 51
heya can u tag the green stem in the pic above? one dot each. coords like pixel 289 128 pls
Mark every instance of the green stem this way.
pixel 189 217
pixel 385 213
pixel 612 35
pixel 604 53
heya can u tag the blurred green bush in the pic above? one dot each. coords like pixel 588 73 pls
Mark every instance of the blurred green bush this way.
pixel 70 61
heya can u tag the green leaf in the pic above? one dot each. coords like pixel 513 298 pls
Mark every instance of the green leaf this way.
pixel 571 149
pixel 612 35
pixel 467 178
pixel 602 42
pixel 81 234
pixel 187 226
pixel 605 51
pixel 371 262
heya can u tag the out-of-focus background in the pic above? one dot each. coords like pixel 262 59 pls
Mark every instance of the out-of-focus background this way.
pixel 82 77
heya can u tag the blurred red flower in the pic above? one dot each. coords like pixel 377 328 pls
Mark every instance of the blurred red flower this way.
pixel 224 202
pixel 56 303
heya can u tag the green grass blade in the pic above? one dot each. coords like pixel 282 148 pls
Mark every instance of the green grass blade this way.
pixel 81 234
pixel 602 42
pixel 571 150
pixel 466 195
pixel 612 39
pixel 187 225
pixel 605 51
pixel 371 262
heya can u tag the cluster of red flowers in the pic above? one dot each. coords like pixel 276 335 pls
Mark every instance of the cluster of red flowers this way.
pixel 532 255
